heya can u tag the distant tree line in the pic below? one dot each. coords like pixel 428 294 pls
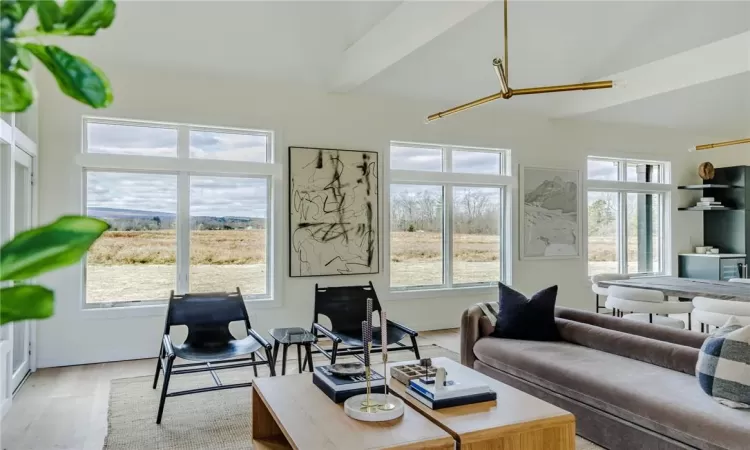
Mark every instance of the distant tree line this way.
pixel 169 223
pixel 475 211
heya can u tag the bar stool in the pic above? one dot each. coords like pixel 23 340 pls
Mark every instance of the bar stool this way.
pixel 647 305
pixel 601 290
pixel 715 312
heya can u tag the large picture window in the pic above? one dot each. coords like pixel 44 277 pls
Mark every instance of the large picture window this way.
pixel 189 209
pixel 447 208
pixel 626 216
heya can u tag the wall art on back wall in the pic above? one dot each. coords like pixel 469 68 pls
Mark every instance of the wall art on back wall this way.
pixel 333 212
pixel 550 217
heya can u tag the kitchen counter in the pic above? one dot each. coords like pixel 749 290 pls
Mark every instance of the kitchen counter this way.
pixel 715 255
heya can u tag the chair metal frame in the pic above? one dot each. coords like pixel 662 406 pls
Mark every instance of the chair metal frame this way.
pixel 321 331
pixel 165 360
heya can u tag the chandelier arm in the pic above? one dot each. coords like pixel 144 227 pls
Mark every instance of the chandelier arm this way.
pixel 564 88
pixel 722 144
pixel 464 107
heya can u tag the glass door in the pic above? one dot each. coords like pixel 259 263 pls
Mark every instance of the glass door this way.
pixel 22 220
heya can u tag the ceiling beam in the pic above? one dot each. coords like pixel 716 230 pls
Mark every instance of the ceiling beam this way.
pixel 720 59
pixel 408 27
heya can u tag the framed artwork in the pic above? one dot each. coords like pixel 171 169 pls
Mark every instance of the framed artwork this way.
pixel 550 213
pixel 333 212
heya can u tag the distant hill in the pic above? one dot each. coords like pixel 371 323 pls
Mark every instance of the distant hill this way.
pixel 138 220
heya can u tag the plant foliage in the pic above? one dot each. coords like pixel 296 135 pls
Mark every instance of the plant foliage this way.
pixel 76 76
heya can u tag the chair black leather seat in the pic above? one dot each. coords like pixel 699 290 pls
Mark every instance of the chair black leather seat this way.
pixel 209 341
pixel 346 308
pixel 212 353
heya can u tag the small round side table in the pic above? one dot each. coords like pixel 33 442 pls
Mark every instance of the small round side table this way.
pixel 291 336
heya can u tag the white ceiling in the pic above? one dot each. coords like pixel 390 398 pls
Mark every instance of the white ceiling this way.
pixel 553 42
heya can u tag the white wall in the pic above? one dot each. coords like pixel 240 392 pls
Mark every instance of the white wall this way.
pixel 309 118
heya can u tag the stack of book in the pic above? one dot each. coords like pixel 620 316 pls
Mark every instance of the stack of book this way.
pixel 340 388
pixel 708 203
pixel 453 393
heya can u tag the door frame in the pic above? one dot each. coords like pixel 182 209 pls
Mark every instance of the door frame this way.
pixel 16 146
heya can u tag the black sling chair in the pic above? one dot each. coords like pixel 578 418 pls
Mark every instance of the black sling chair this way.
pixel 346 308
pixel 207 317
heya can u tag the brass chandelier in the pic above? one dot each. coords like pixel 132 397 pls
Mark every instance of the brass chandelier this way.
pixel 719 144
pixel 501 70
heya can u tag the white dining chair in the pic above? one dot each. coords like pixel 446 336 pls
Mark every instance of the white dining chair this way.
pixel 647 305
pixel 601 290
pixel 740 280
pixel 715 312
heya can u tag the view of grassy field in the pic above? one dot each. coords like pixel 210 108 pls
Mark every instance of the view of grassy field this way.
pixel 140 265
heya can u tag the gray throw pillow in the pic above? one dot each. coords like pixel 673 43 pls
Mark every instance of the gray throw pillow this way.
pixel 723 368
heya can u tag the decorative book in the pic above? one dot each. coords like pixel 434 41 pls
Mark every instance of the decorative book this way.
pixel 455 401
pixel 339 388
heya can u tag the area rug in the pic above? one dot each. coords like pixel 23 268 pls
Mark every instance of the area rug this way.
pixel 216 420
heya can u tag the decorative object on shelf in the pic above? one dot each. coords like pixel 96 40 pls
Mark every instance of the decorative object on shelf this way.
pixel 353 409
pixel 501 70
pixel 407 372
pixel 347 369
pixel 706 171
pixel 333 211
pixel 719 144
pixel 551 224
pixel 371 407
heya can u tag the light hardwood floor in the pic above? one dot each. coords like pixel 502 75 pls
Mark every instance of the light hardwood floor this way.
pixel 65 408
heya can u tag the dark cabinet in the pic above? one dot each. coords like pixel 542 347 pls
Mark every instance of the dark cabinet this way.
pixel 710 267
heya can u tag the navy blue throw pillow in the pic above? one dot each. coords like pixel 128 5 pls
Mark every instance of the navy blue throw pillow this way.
pixel 529 319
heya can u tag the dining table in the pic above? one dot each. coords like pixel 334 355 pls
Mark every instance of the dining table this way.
pixel 687 288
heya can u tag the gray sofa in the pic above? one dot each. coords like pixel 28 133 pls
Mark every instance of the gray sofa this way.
pixel 630 385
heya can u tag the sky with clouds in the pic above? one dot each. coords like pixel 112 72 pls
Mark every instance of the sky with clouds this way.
pixel 223 196
pixel 209 195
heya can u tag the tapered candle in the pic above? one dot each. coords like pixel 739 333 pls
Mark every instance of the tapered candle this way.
pixel 365 344
pixel 369 316
pixel 384 334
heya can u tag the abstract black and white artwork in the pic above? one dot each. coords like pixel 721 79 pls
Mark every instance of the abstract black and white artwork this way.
pixel 333 209
pixel 551 224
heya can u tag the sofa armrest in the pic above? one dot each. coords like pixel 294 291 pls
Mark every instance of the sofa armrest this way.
pixel 474 326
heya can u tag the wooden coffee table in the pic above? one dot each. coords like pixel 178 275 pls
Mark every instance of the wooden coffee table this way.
pixel 517 421
pixel 292 413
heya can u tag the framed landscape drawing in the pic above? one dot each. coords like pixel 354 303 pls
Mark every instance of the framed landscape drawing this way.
pixel 550 213
pixel 333 212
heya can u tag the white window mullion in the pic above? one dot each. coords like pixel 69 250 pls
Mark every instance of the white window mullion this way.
pixel 183 232
pixel 448 235
pixel 622 232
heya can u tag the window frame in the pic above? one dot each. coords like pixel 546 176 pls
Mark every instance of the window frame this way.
pixel 448 180
pixel 183 166
pixel 622 188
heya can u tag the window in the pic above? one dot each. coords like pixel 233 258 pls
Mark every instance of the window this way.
pixel 447 222
pixel 198 221
pixel 626 216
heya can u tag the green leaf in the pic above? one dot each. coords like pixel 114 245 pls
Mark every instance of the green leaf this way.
pixel 39 250
pixel 76 77
pixel 8 52
pixel 15 9
pixel 24 58
pixel 16 93
pixel 86 17
pixel 25 302
pixel 49 14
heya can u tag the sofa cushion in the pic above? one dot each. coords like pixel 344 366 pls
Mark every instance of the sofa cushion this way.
pixel 662 400
pixel 521 318
pixel 724 365
pixel 666 334
pixel 664 354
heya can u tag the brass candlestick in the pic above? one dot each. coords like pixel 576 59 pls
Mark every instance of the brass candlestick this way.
pixel 387 404
pixel 368 405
